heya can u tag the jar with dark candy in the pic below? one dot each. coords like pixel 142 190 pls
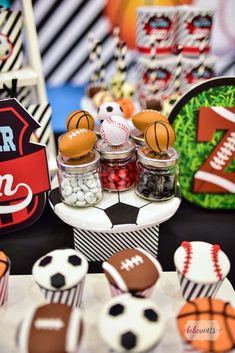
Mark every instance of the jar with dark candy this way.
pixel 118 165
pixel 157 174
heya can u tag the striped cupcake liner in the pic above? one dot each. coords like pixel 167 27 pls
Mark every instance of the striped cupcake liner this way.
pixel 71 297
pixel 191 290
pixel 144 294
pixel 4 285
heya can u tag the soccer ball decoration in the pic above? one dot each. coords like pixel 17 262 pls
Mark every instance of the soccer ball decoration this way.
pixel 108 109
pixel 132 324
pixel 114 130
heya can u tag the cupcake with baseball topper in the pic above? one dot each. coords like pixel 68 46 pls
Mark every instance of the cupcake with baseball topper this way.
pixel 207 325
pixel 60 275
pixel 78 163
pixel 201 268
pixel 50 328
pixel 4 277
pixel 117 154
pixel 132 270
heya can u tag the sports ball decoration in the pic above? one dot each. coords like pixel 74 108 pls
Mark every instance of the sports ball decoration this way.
pixel 220 316
pixel 114 130
pixel 159 136
pixel 143 119
pixel 102 97
pixel 77 143
pixel 50 328
pixel 80 119
pixel 132 270
pixel 127 106
pixel 4 277
pixel 60 274
pixel 131 324
pixel 204 123
pixel 6 47
pixel 24 178
pixel 108 109
pixel 190 258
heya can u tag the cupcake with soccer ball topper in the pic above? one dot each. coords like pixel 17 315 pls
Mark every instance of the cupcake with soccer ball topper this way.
pixel 4 277
pixel 50 328
pixel 207 325
pixel 132 270
pixel 60 275
pixel 131 324
pixel 201 268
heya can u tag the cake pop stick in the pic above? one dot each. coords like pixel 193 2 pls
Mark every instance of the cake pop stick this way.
pixel 177 82
pixel 98 70
pixel 202 57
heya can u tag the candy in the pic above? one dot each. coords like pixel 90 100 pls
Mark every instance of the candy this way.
pixel 118 178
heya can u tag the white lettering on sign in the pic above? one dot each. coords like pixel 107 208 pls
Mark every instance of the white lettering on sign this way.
pixel 6 182
pixel 7 139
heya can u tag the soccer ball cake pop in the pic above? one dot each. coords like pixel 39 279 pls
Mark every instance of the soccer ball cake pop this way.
pixel 114 130
pixel 108 109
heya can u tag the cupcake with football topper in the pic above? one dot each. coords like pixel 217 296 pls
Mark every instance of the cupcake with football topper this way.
pixel 51 328
pixel 201 268
pixel 4 277
pixel 132 270
pixel 131 324
pixel 60 275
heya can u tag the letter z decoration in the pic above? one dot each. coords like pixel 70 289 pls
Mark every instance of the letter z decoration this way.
pixel 24 178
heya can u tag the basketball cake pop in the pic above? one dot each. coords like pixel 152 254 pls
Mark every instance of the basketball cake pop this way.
pixel 80 119
pixel 159 136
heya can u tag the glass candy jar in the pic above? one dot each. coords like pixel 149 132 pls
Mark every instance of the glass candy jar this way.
pixel 79 179
pixel 157 174
pixel 118 165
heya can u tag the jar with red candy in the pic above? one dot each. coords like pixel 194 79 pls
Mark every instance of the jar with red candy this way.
pixel 118 165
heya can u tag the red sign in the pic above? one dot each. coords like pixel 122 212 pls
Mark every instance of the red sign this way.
pixel 24 177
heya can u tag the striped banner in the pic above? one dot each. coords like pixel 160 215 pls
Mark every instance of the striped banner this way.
pixel 98 246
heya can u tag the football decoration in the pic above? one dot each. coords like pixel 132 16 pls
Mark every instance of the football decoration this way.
pixel 159 136
pixel 114 130
pixel 80 119
pixel 24 178
pixel 6 47
pixel 77 143
pixel 108 109
pixel 143 119
pixel 52 327
pixel 131 324
pixel 127 106
pixel 204 123
pixel 102 97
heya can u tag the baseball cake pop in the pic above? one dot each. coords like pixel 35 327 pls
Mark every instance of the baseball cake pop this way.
pixel 114 130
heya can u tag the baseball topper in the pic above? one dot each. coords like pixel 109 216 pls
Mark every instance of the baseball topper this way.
pixel 24 177
pixel 204 123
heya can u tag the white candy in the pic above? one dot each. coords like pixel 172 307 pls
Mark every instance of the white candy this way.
pixel 73 182
pixel 98 195
pixel 80 182
pixel 80 196
pixel 76 189
pixel 98 183
pixel 80 203
pixel 89 197
pixel 67 191
pixel 65 183
pixel 114 130
pixel 71 199
pixel 84 188
pixel 94 191
pixel 91 184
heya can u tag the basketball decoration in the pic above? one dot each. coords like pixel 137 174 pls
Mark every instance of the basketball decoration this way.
pixel 77 143
pixel 114 130
pixel 208 313
pixel 80 119
pixel 204 122
pixel 159 136
pixel 143 119
pixel 127 107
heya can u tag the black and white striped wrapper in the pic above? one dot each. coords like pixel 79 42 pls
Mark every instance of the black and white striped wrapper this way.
pixel 191 290
pixel 146 293
pixel 99 246
pixel 4 285
pixel 71 296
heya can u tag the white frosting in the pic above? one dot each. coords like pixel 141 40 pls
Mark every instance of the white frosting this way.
pixel 73 331
pixel 132 319
pixel 59 264
pixel 121 284
pixel 201 267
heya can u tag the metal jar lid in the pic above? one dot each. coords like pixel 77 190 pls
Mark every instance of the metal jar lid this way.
pixel 115 152
pixel 138 137
pixel 159 160
pixel 84 164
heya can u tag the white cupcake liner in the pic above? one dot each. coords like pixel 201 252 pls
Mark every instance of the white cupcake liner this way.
pixel 192 290
pixel 4 285
pixel 71 296
pixel 145 293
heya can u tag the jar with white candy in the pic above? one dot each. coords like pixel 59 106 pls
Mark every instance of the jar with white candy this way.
pixel 79 179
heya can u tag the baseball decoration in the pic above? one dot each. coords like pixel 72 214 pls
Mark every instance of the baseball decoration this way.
pixel 52 327
pixel 143 119
pixel 220 315
pixel 114 130
pixel 6 47
pixel 130 324
pixel 194 282
pixel 159 136
pixel 204 123
pixel 80 119
pixel 132 270
pixel 24 178
pixel 108 109
pixel 77 143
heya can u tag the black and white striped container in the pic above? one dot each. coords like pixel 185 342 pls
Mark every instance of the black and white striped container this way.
pixel 4 284
pixel 191 290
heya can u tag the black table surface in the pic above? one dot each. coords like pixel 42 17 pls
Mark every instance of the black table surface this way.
pixel 189 223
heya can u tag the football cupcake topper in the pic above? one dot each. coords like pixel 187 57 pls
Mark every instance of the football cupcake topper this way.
pixel 143 119
pixel 77 143
pixel 159 136
pixel 114 130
